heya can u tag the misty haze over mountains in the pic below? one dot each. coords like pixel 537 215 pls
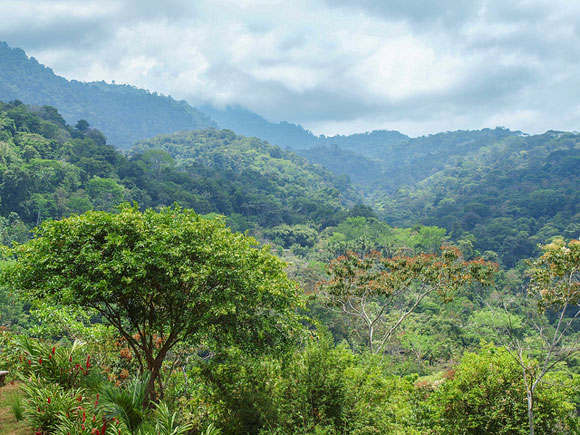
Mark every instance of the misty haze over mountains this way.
pixel 126 114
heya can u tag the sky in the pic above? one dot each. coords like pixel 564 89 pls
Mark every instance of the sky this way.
pixel 333 66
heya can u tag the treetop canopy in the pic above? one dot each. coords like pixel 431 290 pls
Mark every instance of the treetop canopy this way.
pixel 169 272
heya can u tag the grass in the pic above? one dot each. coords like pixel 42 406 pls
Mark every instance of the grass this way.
pixel 8 423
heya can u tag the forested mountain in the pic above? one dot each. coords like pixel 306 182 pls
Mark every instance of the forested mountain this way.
pixel 295 137
pixel 49 169
pixel 123 113
pixel 247 123
pixel 126 114
pixel 510 195
pixel 282 181
pixel 387 160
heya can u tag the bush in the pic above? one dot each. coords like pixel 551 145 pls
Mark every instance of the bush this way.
pixel 45 403
pixel 486 394
pixel 64 366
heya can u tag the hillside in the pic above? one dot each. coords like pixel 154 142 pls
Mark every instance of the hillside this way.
pixel 247 123
pixel 509 195
pixel 123 113
pixel 286 186
pixel 49 169
pixel 387 160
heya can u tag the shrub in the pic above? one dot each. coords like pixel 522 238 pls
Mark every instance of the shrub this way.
pixel 45 403
pixel 486 394
pixel 67 367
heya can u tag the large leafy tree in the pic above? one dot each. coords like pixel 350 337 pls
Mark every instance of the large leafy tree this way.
pixel 160 278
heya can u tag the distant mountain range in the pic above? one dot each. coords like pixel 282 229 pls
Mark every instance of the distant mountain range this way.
pixel 126 114
pixel 494 190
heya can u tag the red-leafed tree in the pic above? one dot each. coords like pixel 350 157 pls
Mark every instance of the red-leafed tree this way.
pixel 382 292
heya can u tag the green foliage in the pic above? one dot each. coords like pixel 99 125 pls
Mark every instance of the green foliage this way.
pixel 67 367
pixel 315 393
pixel 287 236
pixel 556 275
pixel 13 312
pixel 126 405
pixel 167 424
pixel 165 276
pixel 486 394
pixel 16 406
pixel 366 234
pixel 379 293
pixel 71 322
pixel 44 403
pixel 320 388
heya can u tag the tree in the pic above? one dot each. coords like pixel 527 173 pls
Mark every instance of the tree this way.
pixel 554 289
pixel 160 278
pixel 484 395
pixel 82 125
pixel 382 292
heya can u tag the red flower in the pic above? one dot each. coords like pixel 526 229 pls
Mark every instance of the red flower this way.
pixel 53 349
pixel 40 361
pixel 49 400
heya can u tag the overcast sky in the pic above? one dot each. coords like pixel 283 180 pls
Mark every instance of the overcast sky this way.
pixel 334 66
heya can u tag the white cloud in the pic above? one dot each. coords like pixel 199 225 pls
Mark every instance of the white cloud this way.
pixel 332 65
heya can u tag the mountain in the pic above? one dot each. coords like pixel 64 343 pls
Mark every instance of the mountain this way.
pixel 506 195
pixel 247 123
pixel 49 169
pixel 295 137
pixel 126 114
pixel 123 113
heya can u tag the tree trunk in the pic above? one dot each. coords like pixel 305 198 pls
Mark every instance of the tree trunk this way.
pixel 530 395
pixel 151 394
pixel 154 368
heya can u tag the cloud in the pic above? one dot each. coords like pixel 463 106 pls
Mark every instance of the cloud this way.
pixel 331 65
pixel 419 14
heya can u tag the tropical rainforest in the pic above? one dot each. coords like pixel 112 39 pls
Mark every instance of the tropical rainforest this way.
pixel 192 280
